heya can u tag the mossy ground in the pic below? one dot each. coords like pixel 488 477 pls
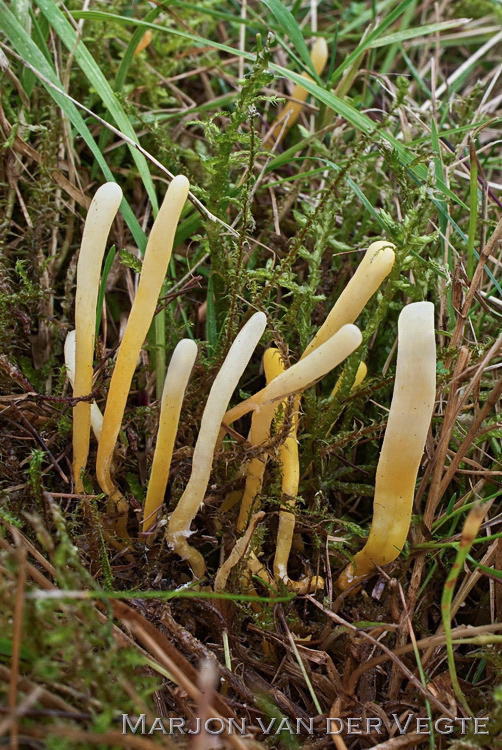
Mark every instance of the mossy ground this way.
pixel 404 162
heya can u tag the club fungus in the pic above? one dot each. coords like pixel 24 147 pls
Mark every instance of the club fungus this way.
pixel 155 262
pixel 283 383
pixel 178 528
pixel 403 445
pixel 291 111
pixel 372 270
pixel 102 211
pixel 178 373
pixel 290 473
pixel 69 358
pixel 361 373
pixel 303 374
pixel 259 433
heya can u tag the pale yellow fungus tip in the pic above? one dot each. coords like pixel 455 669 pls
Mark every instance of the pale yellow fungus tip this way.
pixel 375 266
pixel 291 111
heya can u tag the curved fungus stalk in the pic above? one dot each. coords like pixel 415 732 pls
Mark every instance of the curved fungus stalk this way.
pixel 264 405
pixel 226 381
pixel 155 263
pixel 375 266
pixel 100 216
pixel 178 374
pixel 290 471
pixel 236 555
pixel 69 358
pixel 403 445
pixel 301 375
pixel 372 270
pixel 291 111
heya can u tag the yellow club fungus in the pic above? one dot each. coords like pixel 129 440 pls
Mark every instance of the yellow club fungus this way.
pixel 236 555
pixel 259 433
pixel 303 374
pixel 178 373
pixel 372 270
pixel 69 358
pixel 291 111
pixel 403 445
pixel 102 211
pixel 290 471
pixel 226 381
pixel 155 263
pixel 144 42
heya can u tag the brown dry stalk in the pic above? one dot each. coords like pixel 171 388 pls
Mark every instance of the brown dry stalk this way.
pixel 475 283
pixel 481 416
pixel 166 653
pixel 432 642
pixel 17 634
pixel 417 684
pixel 444 440
pixel 397 743
pixel 112 738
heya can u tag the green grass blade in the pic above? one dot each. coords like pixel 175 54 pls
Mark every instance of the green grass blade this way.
pixel 94 75
pixel 357 119
pixel 469 532
pixel 28 50
pixel 110 257
pixel 371 37
pixel 473 209
pixel 290 27
pixel 426 30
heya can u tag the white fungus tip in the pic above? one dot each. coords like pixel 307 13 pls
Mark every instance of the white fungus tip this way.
pixel 110 191
pixel 354 331
pixel 181 181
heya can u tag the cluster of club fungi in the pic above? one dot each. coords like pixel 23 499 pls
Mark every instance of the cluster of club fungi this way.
pixel 407 426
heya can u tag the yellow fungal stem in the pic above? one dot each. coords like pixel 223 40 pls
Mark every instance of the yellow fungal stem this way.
pixel 178 374
pixel 290 470
pixel 361 373
pixel 144 42
pixel 226 381
pixel 372 270
pixel 236 554
pixel 69 358
pixel 259 433
pixel 403 445
pixel 155 263
pixel 291 111
pixel 102 211
pixel 303 374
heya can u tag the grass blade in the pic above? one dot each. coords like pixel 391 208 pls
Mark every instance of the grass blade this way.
pixel 469 532
pixel 110 257
pixel 290 26
pixel 28 50
pixel 69 37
